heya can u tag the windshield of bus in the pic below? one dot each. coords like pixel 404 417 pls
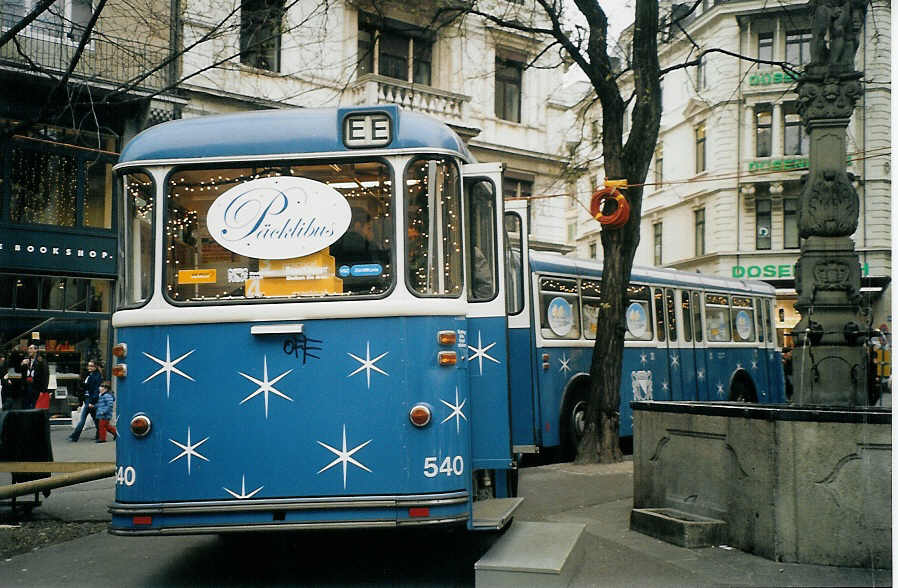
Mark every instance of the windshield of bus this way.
pixel 278 231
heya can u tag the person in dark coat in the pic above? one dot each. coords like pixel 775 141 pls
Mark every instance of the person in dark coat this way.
pixel 35 376
pixel 90 399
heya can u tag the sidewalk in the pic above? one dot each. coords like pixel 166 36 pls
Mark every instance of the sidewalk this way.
pixel 602 495
pixel 598 495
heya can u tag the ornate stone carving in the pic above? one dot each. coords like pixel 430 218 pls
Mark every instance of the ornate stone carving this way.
pixel 830 97
pixel 831 275
pixel 839 22
pixel 829 205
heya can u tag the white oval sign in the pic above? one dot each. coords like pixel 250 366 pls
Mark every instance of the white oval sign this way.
pixel 278 217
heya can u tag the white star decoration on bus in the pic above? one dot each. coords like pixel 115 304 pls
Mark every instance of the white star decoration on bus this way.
pixel 368 364
pixel 565 363
pixel 344 456
pixel 701 374
pixel 456 411
pixel 265 385
pixel 168 366
pixel 243 493
pixel 642 358
pixel 188 450
pixel 754 364
pixel 664 385
pixel 480 352
pixel 720 389
pixel 674 360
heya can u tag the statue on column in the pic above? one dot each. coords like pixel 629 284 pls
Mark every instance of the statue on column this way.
pixel 838 22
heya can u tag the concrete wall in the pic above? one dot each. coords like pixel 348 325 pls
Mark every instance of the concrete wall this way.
pixel 795 485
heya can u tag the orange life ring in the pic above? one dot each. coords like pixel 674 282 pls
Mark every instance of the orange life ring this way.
pixel 621 213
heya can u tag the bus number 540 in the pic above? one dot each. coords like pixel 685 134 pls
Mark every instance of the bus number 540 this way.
pixel 449 466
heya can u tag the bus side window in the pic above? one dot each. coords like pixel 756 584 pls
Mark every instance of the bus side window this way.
pixel 687 316
pixel 559 308
pixel 514 268
pixel 717 313
pixel 743 317
pixel 484 284
pixel 760 315
pixel 671 315
pixel 591 293
pixel 698 329
pixel 639 314
pixel 659 313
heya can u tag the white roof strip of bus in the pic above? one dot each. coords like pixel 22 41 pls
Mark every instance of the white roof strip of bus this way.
pixel 275 329
pixel 293 156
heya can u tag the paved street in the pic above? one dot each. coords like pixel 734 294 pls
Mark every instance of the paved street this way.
pixel 599 496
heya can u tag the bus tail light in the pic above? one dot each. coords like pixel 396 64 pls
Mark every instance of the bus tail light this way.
pixel 419 511
pixel 447 358
pixel 419 415
pixel 141 425
pixel 120 350
pixel 446 337
pixel 141 521
pixel 120 370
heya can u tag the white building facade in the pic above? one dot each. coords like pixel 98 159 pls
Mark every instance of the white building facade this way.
pixel 724 186
pixel 491 85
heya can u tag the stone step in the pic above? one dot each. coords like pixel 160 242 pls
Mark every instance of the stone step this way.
pixel 532 554
pixel 678 527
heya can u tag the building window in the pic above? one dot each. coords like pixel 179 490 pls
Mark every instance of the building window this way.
pixel 508 89
pixel 790 223
pixel 656 228
pixel 700 164
pixel 593 250
pixel 762 221
pixel 700 232
pixel 701 74
pixel 571 232
pixel 798 47
pixel 795 136
pixel 260 33
pixel 763 131
pixel 659 166
pixel 62 19
pixel 512 188
pixel 765 48
pixel 404 54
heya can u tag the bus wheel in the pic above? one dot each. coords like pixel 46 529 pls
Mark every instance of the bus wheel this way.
pixel 574 425
pixel 742 389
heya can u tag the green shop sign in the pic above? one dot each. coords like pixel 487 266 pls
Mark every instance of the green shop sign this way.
pixel 774 271
pixel 784 164
pixel 767 78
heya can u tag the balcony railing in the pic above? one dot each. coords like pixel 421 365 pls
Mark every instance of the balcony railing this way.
pixel 48 48
pixel 375 89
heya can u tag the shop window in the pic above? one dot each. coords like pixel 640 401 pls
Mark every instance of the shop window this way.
pixel 700 144
pixel 765 49
pixel 763 223
pixel 798 47
pixel 508 89
pixel 398 51
pixel 27 292
pixel 763 130
pixel 260 33
pixel 53 294
pixel 98 195
pixel 7 288
pixel 44 187
pixel 790 223
pixel 76 295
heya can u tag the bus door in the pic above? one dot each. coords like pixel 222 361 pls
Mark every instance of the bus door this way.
pixel 526 433
pixel 688 352
pixel 760 363
pixel 700 360
pixel 486 340
pixel 674 349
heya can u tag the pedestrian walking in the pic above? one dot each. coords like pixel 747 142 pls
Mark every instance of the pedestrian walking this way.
pixel 90 400
pixel 104 413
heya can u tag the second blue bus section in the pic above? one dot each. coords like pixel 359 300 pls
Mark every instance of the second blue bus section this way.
pixel 328 406
pixel 550 379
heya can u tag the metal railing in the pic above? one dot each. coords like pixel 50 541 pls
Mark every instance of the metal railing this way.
pixel 47 48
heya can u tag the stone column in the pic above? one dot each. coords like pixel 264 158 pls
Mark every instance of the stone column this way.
pixel 751 132
pixel 829 365
pixel 777 131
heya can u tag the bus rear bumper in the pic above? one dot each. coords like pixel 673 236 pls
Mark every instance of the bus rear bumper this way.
pixel 288 514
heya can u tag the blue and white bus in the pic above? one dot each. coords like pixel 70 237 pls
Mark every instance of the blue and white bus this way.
pixel 294 326
pixel 330 319
pixel 689 337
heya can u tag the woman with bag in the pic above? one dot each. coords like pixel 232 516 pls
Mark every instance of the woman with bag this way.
pixel 91 397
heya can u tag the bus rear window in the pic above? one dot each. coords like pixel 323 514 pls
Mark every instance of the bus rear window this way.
pixel 137 236
pixel 278 231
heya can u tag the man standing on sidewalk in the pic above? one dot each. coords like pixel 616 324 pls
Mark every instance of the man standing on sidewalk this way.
pixel 35 376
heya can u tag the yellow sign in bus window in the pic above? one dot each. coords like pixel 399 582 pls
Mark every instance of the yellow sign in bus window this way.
pixel 197 276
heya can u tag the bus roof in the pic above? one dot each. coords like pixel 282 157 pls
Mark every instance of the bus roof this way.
pixel 279 133
pixel 541 261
